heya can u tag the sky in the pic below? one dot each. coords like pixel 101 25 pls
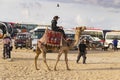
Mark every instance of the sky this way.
pixel 102 14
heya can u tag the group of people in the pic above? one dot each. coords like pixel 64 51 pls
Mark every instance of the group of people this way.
pixel 82 46
pixel 7 41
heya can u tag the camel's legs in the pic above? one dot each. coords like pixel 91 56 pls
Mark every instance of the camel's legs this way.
pixel 36 57
pixel 66 61
pixel 44 59
pixel 58 58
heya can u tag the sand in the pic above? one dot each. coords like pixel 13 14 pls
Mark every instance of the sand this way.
pixel 101 65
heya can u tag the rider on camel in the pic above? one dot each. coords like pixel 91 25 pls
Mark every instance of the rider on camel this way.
pixel 57 28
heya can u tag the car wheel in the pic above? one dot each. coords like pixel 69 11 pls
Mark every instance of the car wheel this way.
pixel 21 47
pixel 110 46
pixel 34 50
pixel 30 47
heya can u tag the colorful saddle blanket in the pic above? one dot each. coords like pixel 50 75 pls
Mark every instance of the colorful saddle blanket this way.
pixel 53 38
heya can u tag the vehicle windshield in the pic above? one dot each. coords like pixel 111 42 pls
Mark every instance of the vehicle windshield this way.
pixel 96 38
pixel 87 37
pixel 71 36
pixel 113 37
pixel 93 34
pixel 37 34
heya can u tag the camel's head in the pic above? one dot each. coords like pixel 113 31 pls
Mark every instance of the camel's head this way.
pixel 78 32
pixel 80 29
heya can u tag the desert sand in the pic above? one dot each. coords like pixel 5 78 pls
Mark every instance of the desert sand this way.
pixel 101 65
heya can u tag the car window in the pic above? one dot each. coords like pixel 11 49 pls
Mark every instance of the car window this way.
pixel 96 38
pixel 87 37
pixel 39 34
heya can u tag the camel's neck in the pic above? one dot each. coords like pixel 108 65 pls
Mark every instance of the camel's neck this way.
pixel 76 38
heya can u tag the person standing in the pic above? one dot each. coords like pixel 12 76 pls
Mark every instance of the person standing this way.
pixel 82 51
pixel 57 28
pixel 7 47
pixel 115 43
pixel 87 43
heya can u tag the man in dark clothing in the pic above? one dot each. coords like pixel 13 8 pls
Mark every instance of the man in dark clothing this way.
pixel 82 51
pixel 55 27
pixel 115 43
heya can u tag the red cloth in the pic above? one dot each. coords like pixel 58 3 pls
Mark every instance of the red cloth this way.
pixel 53 38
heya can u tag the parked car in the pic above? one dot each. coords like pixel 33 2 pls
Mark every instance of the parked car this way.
pixel 23 40
pixel 37 33
pixel 94 42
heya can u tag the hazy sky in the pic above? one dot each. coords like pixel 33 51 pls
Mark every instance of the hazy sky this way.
pixel 103 14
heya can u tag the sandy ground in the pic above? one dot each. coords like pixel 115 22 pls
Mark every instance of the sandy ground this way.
pixel 101 65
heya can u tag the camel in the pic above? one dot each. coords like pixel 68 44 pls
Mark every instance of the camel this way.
pixel 42 49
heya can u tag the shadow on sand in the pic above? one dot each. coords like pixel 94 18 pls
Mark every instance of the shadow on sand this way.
pixel 30 59
pixel 100 69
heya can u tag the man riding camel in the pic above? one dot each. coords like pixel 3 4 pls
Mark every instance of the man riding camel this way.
pixel 57 28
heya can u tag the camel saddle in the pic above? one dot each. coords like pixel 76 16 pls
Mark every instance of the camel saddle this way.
pixel 51 38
